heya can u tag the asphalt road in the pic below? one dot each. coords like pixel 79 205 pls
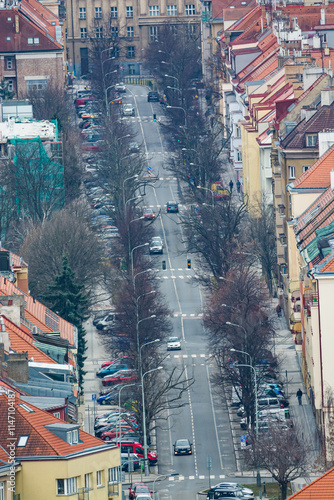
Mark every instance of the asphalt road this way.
pixel 204 418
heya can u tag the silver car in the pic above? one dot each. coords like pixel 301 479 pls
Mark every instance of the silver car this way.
pixel 156 245
pixel 128 110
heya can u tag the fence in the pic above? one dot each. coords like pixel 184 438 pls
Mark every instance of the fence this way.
pixel 148 81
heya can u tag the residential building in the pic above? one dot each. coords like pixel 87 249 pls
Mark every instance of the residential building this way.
pixel 53 458
pixel 322 488
pixel 135 24
pixel 31 50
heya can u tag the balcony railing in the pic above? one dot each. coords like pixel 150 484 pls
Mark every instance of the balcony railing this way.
pixel 309 301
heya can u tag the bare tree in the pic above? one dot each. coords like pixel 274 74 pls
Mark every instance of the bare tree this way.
pixel 66 232
pixel 282 452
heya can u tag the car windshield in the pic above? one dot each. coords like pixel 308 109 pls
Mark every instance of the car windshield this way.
pixel 173 339
pixel 127 106
pixel 182 442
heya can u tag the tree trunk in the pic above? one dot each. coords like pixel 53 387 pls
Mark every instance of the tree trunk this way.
pixel 284 488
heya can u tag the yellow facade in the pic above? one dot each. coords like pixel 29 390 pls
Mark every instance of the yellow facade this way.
pixel 37 479
pixel 251 166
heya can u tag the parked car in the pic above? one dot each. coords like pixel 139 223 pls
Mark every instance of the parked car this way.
pixel 172 207
pixel 153 96
pixel 133 147
pixel 156 245
pixel 128 110
pixel 182 447
pixel 122 378
pixel 108 320
pixel 121 359
pixel 114 432
pixel 111 370
pixel 139 489
pixel 228 493
pixel 120 87
pixel 111 397
pixel 125 457
pixel 99 316
pixel 173 344
pixel 135 447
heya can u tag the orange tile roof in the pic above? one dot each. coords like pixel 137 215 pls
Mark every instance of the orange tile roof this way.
pixel 23 342
pixel 318 175
pixel 322 488
pixel 41 441
pixel 328 268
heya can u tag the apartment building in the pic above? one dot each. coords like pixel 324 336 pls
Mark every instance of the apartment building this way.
pixel 134 22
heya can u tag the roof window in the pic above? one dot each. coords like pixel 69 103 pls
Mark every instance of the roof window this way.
pixel 22 441
pixel 26 408
pixel 9 19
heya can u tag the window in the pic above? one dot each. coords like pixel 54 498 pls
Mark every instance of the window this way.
pixel 99 32
pixel 98 12
pixel 22 441
pixel 56 414
pixel 131 69
pixel 130 32
pixel 67 486
pixel 190 10
pixel 87 481
pixel 243 3
pixel 9 19
pixel 171 10
pixel 113 12
pixel 154 33
pixel 154 10
pixel 305 167
pixel 9 63
pixel 73 437
pixel 36 41
pixel 83 32
pixel 191 30
pixel 10 85
pixel 99 480
pixel 8 39
pixel 129 11
pixel 114 31
pixel 82 13
pixel 113 475
pixel 239 156
pixel 36 84
pixel 311 140
pixel 292 172
pixel 2 491
pixel 30 41
pixel 130 52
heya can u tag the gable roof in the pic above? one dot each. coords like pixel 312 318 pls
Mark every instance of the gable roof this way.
pixel 318 175
pixel 42 442
pixel 322 488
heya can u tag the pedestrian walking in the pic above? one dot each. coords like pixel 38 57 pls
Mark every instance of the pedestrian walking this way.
pixel 279 311
pixel 299 396
pixel 238 186
pixel 231 185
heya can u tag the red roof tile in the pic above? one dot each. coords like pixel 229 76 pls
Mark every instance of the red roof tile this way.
pixel 318 175
pixel 41 441
pixel 322 488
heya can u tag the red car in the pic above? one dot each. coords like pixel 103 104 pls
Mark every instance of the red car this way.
pixel 114 432
pixel 122 378
pixel 136 488
pixel 148 214
pixel 115 361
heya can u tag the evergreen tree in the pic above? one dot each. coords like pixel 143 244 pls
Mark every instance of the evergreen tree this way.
pixel 69 300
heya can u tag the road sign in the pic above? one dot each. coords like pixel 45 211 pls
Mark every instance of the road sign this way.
pixel 243 441
pixel 149 171
pixel 94 397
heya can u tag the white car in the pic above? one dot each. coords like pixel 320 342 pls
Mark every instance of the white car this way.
pixel 128 110
pixel 173 344
pixel 156 245
pixel 120 87
pixel 246 492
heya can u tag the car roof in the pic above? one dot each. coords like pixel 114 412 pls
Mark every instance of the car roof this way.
pixel 179 441
pixel 171 202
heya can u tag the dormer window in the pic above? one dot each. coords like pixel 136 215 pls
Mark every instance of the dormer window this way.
pixel 67 432
pixel 73 437
pixel 311 140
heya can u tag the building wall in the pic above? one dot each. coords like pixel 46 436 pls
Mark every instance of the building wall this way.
pixel 44 473
pixel 266 174
pixel 251 166
pixel 141 23
pixel 38 67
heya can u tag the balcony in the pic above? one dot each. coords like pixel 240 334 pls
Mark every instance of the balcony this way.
pixel 309 301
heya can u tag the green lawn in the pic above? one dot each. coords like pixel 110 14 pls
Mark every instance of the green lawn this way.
pixel 272 490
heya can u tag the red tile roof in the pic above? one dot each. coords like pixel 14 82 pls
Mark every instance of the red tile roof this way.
pixel 220 8
pixel 320 489
pixel 318 175
pixel 328 268
pixel 41 441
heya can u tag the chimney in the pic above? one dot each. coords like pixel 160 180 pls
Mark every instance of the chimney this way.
pixel 332 180
pixel 2 358
pixel 17 366
pixel 322 16
pixel 4 337
pixel 327 96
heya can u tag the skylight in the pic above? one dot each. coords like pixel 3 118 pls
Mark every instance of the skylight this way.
pixel 26 408
pixel 22 441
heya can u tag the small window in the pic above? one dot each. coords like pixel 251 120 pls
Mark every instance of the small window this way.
pixel 154 33
pixel 30 41
pixel 99 32
pixel 129 11
pixel 113 475
pixel 10 85
pixel 82 13
pixel 36 41
pixel 132 70
pixel 154 10
pixel 87 481
pixel 9 19
pixel 130 32
pixel 2 491
pixel 311 140
pixel 9 63
pixel 130 52
pixel 292 172
pixel 75 436
pixel 114 31
pixel 190 10
pixel 22 441
pixel 99 480
pixel 190 30
pixel 305 167
pixel 8 39
pixel 113 12
pixel 243 3
pixel 26 408
pixel 171 10
pixel 83 32
pixel 98 12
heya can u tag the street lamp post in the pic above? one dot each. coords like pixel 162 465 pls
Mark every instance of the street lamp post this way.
pixel 138 343
pixel 135 248
pixel 171 76
pixel 185 114
pixel 163 475
pixel 135 276
pixel 144 417
pixel 212 195
pixel 258 475
pixel 239 326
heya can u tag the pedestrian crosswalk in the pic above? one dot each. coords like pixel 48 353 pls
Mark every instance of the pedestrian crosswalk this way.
pixel 191 315
pixel 186 356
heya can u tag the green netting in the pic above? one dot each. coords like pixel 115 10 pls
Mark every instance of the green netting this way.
pixel 312 248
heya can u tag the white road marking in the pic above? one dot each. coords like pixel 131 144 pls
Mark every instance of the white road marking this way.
pixel 201 477
pixel 194 355
pixel 191 477
pixel 214 417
